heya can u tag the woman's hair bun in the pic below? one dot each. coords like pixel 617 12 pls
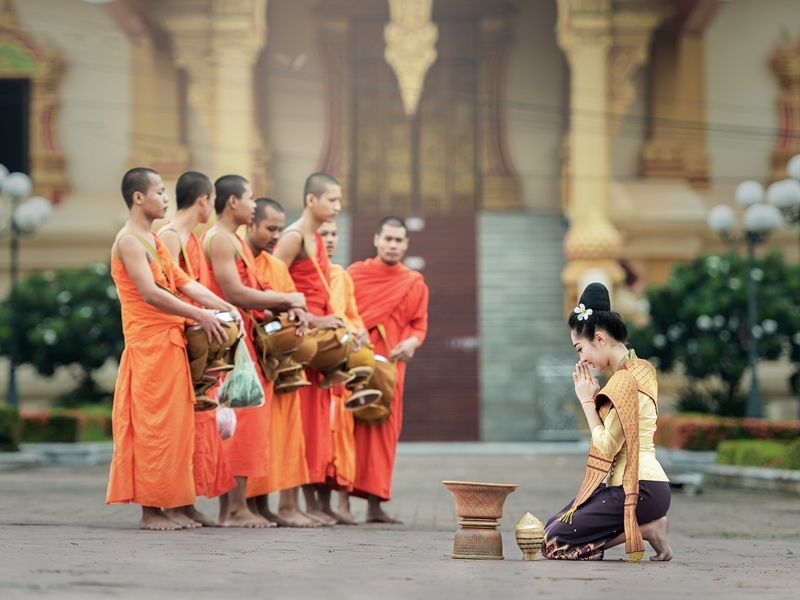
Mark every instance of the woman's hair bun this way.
pixel 596 297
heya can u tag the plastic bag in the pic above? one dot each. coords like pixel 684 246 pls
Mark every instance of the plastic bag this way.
pixel 226 422
pixel 242 387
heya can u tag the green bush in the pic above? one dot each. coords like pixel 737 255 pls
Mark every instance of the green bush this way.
pixel 10 428
pixel 754 453
pixel 66 318
pixel 65 425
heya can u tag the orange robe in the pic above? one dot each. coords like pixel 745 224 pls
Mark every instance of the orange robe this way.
pixel 342 422
pixel 153 415
pixel 315 404
pixel 247 451
pixel 397 297
pixel 212 475
pixel 287 457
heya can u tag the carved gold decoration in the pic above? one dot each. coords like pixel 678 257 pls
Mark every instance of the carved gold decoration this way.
pixel 583 23
pixel 410 47
pixel 21 58
pixel 785 62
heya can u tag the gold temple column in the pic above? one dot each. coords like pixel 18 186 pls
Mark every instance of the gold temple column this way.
pixel 592 243
pixel 156 118
pixel 217 43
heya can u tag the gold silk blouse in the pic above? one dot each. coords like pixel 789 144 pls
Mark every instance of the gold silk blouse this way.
pixel 609 440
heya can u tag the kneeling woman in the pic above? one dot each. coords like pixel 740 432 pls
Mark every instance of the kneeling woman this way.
pixel 625 493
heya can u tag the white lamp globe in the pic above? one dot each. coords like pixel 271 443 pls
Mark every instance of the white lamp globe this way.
pixel 793 167
pixel 749 192
pixel 3 173
pixel 41 208
pixel 18 185
pixel 784 193
pixel 25 218
pixel 762 218
pixel 721 218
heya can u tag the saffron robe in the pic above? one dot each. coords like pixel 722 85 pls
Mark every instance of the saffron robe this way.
pixel 342 422
pixel 212 475
pixel 315 404
pixel 287 457
pixel 396 297
pixel 247 451
pixel 153 414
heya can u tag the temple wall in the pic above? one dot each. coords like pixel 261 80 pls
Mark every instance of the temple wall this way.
pixel 741 88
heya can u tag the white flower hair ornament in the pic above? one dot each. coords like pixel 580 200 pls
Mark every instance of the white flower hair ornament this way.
pixel 582 312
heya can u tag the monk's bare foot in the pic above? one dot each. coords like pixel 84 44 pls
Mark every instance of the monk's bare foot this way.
pixel 153 519
pixel 656 535
pixel 346 517
pixel 322 518
pixel 293 517
pixel 177 515
pixel 378 515
pixel 245 518
pixel 197 516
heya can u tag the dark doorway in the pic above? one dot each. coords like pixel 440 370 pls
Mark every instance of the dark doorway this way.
pixel 14 124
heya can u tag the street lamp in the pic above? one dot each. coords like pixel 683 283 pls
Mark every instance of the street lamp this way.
pixel 760 220
pixel 785 195
pixel 25 216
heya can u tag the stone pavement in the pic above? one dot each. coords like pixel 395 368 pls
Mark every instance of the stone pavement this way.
pixel 58 540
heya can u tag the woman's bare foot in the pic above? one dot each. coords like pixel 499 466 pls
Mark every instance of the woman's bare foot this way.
pixel 293 517
pixel 177 515
pixel 196 515
pixel 153 519
pixel 655 533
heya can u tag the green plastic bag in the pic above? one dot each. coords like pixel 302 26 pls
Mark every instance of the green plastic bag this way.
pixel 242 387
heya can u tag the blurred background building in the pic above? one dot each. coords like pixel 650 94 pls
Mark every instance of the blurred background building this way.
pixel 534 146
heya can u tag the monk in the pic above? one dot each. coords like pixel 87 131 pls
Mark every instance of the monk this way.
pixel 194 196
pixel 233 276
pixel 302 250
pixel 342 423
pixel 153 416
pixel 287 458
pixel 388 293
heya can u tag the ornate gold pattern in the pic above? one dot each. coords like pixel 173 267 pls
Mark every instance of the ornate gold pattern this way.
pixel 21 58
pixel 785 62
pixel 410 47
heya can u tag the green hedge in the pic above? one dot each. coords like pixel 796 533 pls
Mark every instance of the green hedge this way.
pixel 705 432
pixel 760 453
pixel 10 428
pixel 66 425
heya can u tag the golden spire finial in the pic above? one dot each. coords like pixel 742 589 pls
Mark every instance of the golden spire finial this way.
pixel 8 20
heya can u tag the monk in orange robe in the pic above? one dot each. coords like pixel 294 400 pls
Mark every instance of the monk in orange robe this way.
pixel 342 424
pixel 233 275
pixel 194 195
pixel 288 469
pixel 388 293
pixel 153 416
pixel 302 250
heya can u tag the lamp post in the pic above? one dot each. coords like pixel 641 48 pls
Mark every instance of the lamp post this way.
pixel 24 217
pixel 760 220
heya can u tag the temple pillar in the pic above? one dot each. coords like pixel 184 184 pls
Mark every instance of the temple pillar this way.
pixel 592 243
pixel 676 146
pixel 499 183
pixel 217 43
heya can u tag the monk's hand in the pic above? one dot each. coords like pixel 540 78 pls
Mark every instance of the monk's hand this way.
pixel 298 300
pixel 213 326
pixel 404 350
pixel 586 385
pixel 327 322
pixel 301 318
pixel 237 318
